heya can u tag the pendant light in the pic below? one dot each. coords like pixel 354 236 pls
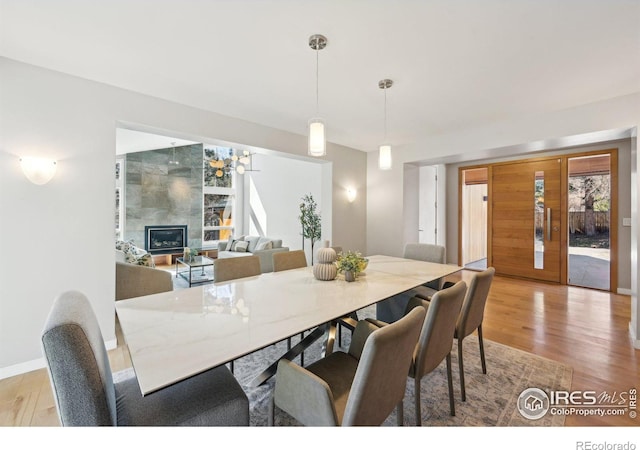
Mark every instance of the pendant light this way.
pixel 317 138
pixel 384 156
pixel 174 161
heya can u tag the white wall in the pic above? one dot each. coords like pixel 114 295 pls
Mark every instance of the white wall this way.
pixel 60 236
pixel 592 123
pixel 280 185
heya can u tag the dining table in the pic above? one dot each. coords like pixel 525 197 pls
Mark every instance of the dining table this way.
pixel 174 335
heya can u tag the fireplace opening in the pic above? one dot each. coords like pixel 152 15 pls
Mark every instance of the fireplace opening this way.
pixel 161 239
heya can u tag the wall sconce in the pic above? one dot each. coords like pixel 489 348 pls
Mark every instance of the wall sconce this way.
pixel 38 170
pixel 351 195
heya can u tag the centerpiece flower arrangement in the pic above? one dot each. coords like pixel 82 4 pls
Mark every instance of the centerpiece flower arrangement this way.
pixel 351 264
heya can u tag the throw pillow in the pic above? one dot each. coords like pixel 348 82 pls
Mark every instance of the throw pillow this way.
pixel 125 246
pixel 242 246
pixel 253 242
pixel 265 245
pixel 146 260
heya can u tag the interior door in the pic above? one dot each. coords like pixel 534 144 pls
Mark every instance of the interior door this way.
pixel 526 216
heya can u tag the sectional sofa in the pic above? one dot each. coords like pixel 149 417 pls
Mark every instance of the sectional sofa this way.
pixel 262 246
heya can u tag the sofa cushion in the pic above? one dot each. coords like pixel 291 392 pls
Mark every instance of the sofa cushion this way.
pixel 241 246
pixel 277 243
pixel 253 242
pixel 264 244
pixel 133 254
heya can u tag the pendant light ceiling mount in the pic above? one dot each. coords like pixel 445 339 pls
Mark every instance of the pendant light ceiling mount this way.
pixel 384 156
pixel 385 84
pixel 317 138
pixel 317 42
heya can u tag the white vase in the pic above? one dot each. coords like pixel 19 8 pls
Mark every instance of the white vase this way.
pixel 325 269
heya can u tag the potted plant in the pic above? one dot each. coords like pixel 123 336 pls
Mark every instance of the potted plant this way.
pixel 310 222
pixel 189 254
pixel 351 264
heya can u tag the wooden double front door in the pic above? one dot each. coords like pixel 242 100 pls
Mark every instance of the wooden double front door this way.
pixel 525 219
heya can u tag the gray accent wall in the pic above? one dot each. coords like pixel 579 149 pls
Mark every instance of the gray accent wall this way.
pixel 159 193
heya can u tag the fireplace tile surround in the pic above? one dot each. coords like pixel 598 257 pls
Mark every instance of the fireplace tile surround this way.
pixel 161 194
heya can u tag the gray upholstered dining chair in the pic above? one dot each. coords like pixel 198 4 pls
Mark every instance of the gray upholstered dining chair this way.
pixel 294 259
pixel 436 338
pixel 361 387
pixel 394 307
pixel 471 318
pixel 86 395
pixel 429 253
pixel 135 281
pixel 225 269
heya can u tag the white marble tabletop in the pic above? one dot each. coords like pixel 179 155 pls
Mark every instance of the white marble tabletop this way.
pixel 174 335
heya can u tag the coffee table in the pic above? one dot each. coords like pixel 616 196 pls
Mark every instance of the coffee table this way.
pixel 197 262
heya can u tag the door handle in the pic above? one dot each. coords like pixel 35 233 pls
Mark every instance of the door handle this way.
pixel 548 224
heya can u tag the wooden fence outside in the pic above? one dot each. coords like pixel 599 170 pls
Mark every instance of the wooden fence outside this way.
pixel 577 219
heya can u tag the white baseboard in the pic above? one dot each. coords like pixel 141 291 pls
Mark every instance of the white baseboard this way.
pixel 19 369
pixel 35 364
pixel 622 291
pixel 632 332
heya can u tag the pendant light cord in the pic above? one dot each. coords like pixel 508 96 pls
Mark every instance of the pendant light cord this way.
pixel 385 115
pixel 317 83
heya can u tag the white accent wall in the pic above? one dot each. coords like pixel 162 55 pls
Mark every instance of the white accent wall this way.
pixel 60 236
pixel 275 194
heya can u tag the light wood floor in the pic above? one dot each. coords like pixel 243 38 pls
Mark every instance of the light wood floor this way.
pixel 586 329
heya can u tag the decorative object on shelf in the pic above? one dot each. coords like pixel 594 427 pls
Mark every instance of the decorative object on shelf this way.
pixel 38 170
pixel 325 269
pixel 317 138
pixel 310 222
pixel 351 264
pixel 384 157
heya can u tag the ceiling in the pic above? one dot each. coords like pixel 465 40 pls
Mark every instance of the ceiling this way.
pixel 455 64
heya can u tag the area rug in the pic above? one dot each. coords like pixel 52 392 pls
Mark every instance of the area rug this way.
pixel 491 398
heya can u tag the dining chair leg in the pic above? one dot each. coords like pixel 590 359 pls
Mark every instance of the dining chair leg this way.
pixel 463 394
pixel 302 352
pixel 452 405
pixel 231 366
pixel 400 414
pixel 481 342
pixel 271 412
pixel 417 399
